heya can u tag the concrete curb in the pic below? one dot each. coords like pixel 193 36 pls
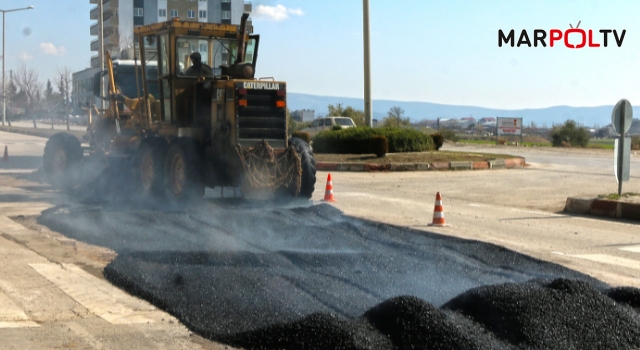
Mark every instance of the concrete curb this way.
pixel 393 167
pixel 603 207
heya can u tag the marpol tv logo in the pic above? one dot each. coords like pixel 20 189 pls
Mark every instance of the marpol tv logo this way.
pixel 572 38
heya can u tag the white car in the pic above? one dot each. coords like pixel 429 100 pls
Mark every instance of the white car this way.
pixel 327 123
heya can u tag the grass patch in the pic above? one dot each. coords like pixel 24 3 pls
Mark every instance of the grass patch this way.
pixel 601 143
pixel 614 196
pixel 529 141
pixel 411 157
pixel 479 142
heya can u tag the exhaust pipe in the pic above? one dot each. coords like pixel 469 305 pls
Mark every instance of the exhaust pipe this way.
pixel 243 41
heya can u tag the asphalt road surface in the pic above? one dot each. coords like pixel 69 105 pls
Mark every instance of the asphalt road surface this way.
pixel 234 273
pixel 310 277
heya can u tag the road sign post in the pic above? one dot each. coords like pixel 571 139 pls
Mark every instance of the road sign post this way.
pixel 621 121
pixel 508 127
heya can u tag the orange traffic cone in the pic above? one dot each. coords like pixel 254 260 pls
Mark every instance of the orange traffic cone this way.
pixel 6 154
pixel 438 213
pixel 328 193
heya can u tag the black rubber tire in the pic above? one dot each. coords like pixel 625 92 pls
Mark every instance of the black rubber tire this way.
pixel 190 185
pixel 308 163
pixel 62 158
pixel 149 168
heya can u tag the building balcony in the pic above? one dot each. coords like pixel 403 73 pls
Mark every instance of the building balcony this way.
pixel 108 44
pixel 109 8
pixel 111 23
pixel 95 61
pixel 107 30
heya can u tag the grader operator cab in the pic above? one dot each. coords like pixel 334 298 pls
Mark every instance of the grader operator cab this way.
pixel 215 127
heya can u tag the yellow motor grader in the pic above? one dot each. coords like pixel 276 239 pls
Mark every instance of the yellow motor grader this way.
pixel 186 131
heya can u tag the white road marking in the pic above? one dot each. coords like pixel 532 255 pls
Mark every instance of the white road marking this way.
pixel 96 295
pixel 632 248
pixel 11 316
pixel 606 259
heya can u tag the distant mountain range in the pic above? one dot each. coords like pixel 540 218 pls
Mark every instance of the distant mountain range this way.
pixel 417 111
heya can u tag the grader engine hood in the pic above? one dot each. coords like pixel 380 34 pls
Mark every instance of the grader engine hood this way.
pixel 261 113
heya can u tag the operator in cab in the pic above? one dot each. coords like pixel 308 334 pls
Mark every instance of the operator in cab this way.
pixel 198 68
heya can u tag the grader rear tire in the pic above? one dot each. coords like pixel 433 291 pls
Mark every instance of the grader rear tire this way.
pixel 183 171
pixel 308 163
pixel 62 158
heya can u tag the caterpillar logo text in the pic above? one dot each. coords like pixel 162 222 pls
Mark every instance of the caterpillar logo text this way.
pixel 261 86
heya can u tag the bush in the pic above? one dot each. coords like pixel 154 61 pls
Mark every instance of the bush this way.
pixel 449 135
pixel 570 134
pixel 302 135
pixel 357 140
pixel 501 141
pixel 336 127
pixel 635 143
pixel 438 140
pixel 379 146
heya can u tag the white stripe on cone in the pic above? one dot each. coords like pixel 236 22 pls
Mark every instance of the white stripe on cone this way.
pixel 438 202
pixel 438 215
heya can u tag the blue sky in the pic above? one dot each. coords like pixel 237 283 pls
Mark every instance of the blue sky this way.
pixel 432 51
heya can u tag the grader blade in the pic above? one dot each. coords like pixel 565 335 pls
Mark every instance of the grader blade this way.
pixel 266 172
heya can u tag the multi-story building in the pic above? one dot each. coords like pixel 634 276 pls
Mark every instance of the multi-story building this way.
pixel 82 91
pixel 120 16
pixel 303 115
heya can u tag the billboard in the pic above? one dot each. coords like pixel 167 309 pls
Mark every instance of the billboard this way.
pixel 509 126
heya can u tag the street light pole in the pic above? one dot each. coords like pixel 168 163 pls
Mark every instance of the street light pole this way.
pixel 367 65
pixel 4 58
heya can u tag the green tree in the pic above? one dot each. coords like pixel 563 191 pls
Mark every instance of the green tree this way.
pixel 291 123
pixel 26 79
pixel 569 134
pixel 335 110
pixel 355 114
pixel 63 82
pixel 339 111
pixel 395 119
pixel 48 91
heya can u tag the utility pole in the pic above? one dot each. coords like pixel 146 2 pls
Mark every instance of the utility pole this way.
pixel 367 65
pixel 101 52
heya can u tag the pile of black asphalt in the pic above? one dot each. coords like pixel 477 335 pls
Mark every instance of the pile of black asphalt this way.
pixel 309 277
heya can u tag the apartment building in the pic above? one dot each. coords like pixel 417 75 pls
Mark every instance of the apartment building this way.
pixel 120 16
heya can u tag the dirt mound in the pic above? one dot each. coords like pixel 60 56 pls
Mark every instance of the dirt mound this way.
pixel 318 331
pixel 561 314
